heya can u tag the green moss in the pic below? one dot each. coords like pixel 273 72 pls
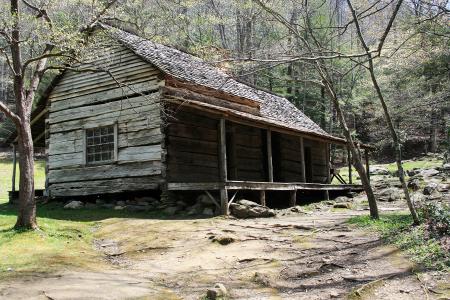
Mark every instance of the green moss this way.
pixel 397 229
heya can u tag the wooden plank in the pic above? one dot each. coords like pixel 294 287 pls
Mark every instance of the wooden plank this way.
pixel 293 198
pixel 104 96
pixel 109 171
pixel 195 146
pixel 189 158
pixel 193 132
pixel 269 155
pixel 223 158
pixel 92 187
pixel 193 186
pixel 98 85
pixel 302 159
pixel 262 197
pixel 141 153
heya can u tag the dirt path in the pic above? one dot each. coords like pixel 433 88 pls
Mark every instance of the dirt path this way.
pixel 316 256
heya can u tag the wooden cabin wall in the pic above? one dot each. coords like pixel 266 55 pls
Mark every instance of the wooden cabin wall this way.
pixel 83 100
pixel 318 160
pixel 247 160
pixel 192 146
pixel 286 158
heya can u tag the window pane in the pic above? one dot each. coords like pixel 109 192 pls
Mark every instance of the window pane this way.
pixel 100 144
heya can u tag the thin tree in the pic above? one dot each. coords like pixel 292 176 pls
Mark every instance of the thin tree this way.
pixel 27 75
pixel 315 53
pixel 387 115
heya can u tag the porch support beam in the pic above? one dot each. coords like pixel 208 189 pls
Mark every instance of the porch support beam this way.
pixel 327 154
pixel 223 166
pixel 269 155
pixel 302 159
pixel 262 197
pixel 293 198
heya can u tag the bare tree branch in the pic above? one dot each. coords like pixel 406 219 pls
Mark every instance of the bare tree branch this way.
pixel 9 113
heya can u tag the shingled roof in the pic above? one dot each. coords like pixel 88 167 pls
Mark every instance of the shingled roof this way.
pixel 189 68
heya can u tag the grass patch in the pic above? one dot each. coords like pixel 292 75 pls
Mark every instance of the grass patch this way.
pixel 6 170
pixel 424 163
pixel 396 229
pixel 64 240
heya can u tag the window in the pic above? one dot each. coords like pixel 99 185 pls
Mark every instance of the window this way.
pixel 100 144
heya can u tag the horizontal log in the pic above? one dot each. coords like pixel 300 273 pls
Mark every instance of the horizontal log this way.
pixel 105 96
pixel 84 188
pixel 193 132
pixel 141 153
pixel 109 171
pixel 195 146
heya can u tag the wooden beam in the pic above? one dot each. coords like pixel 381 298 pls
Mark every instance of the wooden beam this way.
pixel 293 198
pixel 262 197
pixel 223 165
pixel 302 159
pixel 224 202
pixel 269 155
pixel 366 154
pixel 327 154
pixel 349 163
pixel 212 198
pixel 13 188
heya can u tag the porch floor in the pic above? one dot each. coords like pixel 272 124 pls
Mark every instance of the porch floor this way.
pixel 262 186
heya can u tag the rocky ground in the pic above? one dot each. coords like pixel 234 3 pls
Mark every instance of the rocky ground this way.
pixel 303 252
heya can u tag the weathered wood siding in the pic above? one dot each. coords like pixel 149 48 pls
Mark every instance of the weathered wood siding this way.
pixel 192 147
pixel 249 150
pixel 288 163
pixel 318 160
pixel 127 95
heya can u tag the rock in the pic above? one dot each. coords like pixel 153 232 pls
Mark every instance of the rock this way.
pixel 342 199
pixel 74 205
pixel 171 210
pixel 414 184
pixel 120 203
pixel 90 205
pixel 417 198
pixel 208 212
pixel 443 187
pixel 342 205
pixel 430 188
pixel 211 294
pixel 218 292
pixel 222 289
pixel 195 209
pixel 181 204
pixel 378 170
pixel 248 203
pixel 250 209
pixel 144 200
pixel 205 200
pixel 262 279
pixel 389 194
pixel 334 294
pixel 429 172
pixel 107 205
pixel 119 207
pixel 137 208
pixel 413 172
pixel 224 240
pixel 99 201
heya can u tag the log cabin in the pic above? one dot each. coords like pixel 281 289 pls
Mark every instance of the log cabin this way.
pixel 151 117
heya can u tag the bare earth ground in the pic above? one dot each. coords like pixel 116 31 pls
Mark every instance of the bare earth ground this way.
pixel 301 256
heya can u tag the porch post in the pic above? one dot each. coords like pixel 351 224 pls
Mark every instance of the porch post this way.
pixel 293 198
pixel 269 155
pixel 366 154
pixel 223 166
pixel 349 162
pixel 302 159
pixel 327 154
pixel 262 197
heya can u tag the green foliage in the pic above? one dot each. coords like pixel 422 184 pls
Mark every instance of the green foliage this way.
pixel 397 229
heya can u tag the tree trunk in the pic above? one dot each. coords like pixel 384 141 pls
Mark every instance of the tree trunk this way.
pixel 26 217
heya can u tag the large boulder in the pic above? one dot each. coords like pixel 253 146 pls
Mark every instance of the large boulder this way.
pixel 249 209
pixel 389 194
pixel 429 172
pixel 414 184
pixel 74 205
pixel 378 170
pixel 430 188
